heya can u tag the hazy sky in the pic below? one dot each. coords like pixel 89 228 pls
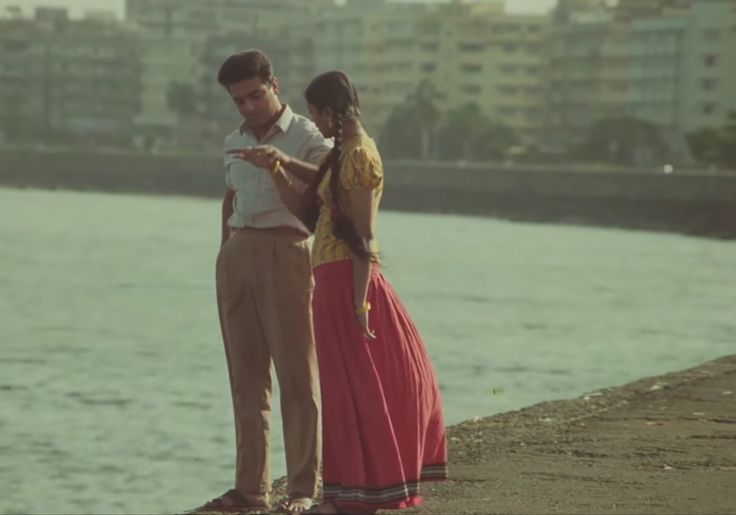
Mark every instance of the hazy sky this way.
pixel 78 6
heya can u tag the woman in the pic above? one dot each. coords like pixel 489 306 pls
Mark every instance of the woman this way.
pixel 383 425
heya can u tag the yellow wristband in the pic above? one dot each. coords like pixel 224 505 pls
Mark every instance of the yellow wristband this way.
pixel 365 308
pixel 276 167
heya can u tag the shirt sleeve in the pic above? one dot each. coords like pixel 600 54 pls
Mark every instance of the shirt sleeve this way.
pixel 316 148
pixel 361 169
pixel 227 160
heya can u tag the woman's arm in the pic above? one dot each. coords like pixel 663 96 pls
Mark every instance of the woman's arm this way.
pixel 302 170
pixel 291 195
pixel 362 212
pixel 265 155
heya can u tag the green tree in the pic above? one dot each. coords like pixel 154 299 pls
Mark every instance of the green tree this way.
pixel 715 146
pixel 181 98
pixel 466 133
pixel 620 140
pixel 409 130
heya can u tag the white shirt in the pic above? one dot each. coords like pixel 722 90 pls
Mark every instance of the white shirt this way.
pixel 257 202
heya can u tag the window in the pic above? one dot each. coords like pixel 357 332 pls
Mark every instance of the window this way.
pixel 472 89
pixel 710 59
pixel 711 34
pixel 709 84
pixel 471 68
pixel 470 47
pixel 429 67
pixel 507 90
pixel 709 108
pixel 16 45
pixel 618 86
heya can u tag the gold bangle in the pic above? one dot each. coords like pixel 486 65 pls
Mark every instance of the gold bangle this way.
pixel 365 308
pixel 276 168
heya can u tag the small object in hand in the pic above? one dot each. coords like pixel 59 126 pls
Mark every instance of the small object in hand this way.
pixel 276 168
pixel 365 308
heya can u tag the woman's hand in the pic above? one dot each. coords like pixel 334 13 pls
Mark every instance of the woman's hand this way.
pixel 362 315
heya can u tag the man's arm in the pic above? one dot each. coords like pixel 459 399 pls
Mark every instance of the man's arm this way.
pixel 265 155
pixel 291 195
pixel 227 211
pixel 304 165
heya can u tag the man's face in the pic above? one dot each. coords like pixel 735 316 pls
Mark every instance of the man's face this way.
pixel 256 101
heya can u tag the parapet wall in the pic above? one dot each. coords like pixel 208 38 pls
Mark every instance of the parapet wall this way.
pixel 690 202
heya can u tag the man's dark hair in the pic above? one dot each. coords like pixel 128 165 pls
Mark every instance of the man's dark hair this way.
pixel 245 65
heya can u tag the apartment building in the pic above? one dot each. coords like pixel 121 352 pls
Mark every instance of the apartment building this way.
pixel 271 17
pixel 64 79
pixel 669 62
pixel 707 87
pixel 373 41
pixel 185 43
pixel 494 60
pixel 471 52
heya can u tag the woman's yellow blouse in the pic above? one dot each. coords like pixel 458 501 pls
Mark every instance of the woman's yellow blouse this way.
pixel 360 167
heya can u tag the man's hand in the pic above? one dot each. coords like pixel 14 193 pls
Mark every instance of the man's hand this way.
pixel 262 156
pixel 244 153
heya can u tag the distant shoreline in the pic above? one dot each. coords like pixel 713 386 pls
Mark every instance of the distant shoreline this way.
pixel 698 203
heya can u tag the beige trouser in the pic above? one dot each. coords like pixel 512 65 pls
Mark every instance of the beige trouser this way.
pixel 264 298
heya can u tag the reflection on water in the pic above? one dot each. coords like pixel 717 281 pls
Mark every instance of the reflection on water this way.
pixel 114 387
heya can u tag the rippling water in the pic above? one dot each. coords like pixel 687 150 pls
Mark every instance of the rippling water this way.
pixel 113 384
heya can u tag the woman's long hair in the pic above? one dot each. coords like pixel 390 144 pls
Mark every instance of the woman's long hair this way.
pixel 335 90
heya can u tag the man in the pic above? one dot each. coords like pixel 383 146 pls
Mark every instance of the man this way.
pixel 264 293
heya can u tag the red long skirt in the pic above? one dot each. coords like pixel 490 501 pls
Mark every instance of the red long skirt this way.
pixel 383 425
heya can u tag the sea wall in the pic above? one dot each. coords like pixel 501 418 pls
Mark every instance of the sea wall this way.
pixel 696 202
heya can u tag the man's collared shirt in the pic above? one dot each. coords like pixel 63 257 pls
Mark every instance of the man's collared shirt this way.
pixel 257 203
